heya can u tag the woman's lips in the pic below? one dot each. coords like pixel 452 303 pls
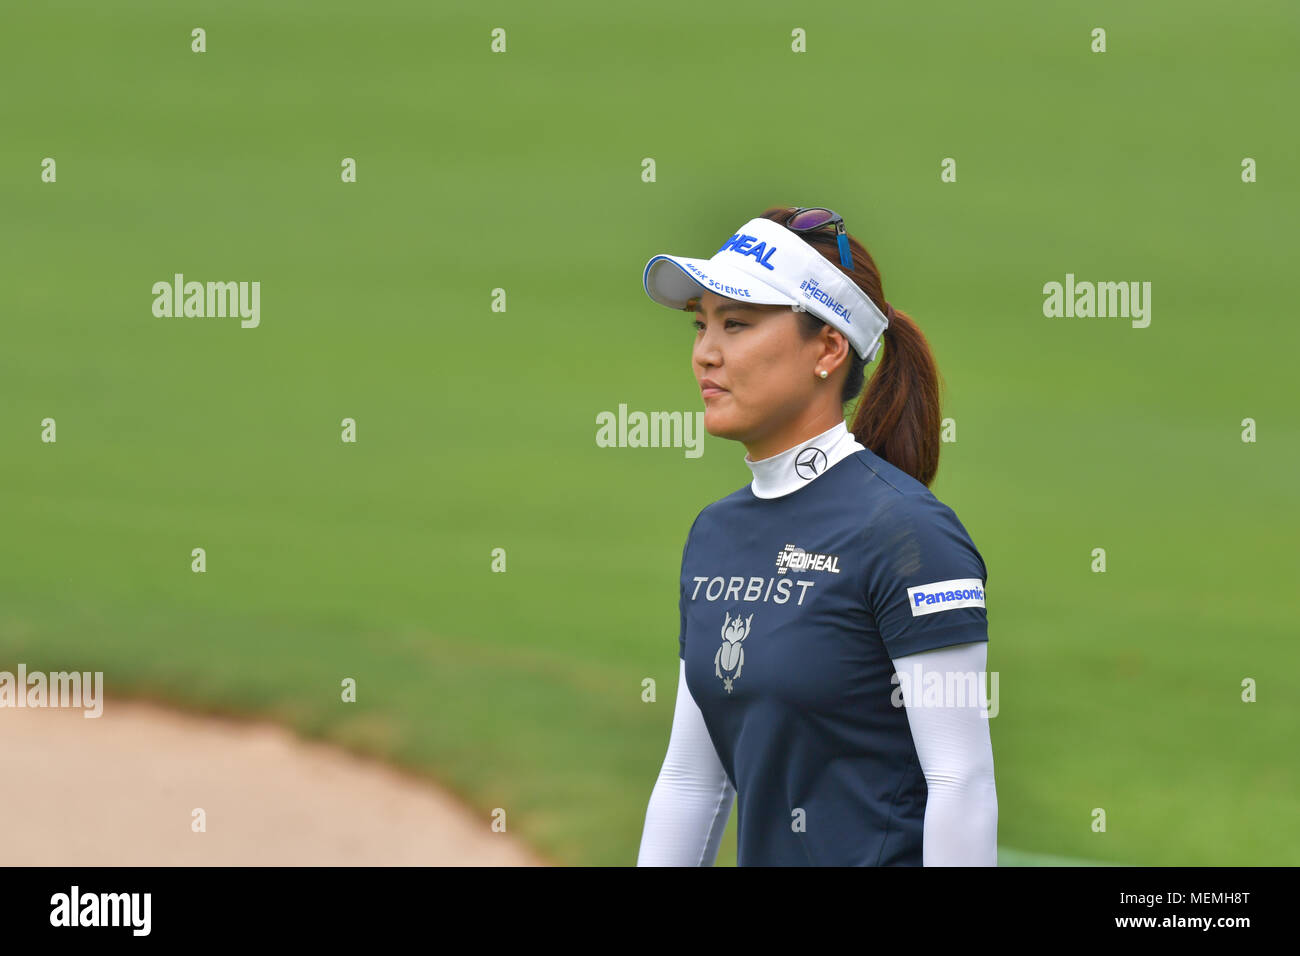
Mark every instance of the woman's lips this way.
pixel 709 391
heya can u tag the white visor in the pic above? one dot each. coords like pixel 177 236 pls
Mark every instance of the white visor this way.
pixel 766 263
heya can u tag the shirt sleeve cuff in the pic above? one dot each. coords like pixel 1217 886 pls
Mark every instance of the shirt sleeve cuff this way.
pixel 966 632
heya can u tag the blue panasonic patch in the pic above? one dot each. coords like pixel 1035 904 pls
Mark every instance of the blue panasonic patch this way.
pixel 943 595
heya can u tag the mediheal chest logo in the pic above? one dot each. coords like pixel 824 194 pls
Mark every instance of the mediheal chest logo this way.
pixel 945 595
pixel 792 558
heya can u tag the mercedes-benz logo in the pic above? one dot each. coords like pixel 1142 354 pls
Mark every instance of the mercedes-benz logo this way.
pixel 810 463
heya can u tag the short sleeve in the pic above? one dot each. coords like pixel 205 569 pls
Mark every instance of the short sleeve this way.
pixel 924 577
pixel 681 633
pixel 681 595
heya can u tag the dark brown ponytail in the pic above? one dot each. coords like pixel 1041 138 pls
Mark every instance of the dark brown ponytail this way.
pixel 898 417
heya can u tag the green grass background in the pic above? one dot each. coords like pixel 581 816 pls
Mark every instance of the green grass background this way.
pixel 476 428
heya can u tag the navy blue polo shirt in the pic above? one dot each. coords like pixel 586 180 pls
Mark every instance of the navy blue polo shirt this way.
pixel 791 611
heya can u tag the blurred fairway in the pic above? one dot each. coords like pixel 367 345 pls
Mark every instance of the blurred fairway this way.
pixel 476 429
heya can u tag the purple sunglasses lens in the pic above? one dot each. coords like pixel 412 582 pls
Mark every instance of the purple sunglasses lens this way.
pixel 810 219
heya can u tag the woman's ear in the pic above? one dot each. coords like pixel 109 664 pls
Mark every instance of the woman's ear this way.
pixel 835 348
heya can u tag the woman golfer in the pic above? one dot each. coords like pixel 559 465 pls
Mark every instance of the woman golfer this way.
pixel 833 624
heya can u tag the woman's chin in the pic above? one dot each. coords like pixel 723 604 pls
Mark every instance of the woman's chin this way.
pixel 719 423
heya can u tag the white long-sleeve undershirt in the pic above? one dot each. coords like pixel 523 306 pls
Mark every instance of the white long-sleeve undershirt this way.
pixel 692 798
pixel 956 754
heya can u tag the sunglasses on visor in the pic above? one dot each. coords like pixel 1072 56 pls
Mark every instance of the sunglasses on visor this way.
pixel 808 218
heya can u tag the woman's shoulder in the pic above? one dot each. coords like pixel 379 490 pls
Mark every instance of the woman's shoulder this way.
pixel 884 479
pixel 891 497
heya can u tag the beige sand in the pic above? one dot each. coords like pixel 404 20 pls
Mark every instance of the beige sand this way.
pixel 119 790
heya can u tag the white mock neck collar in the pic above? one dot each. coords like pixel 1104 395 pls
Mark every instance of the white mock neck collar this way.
pixel 795 467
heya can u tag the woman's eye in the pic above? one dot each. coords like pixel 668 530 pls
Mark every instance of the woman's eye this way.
pixel 699 325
